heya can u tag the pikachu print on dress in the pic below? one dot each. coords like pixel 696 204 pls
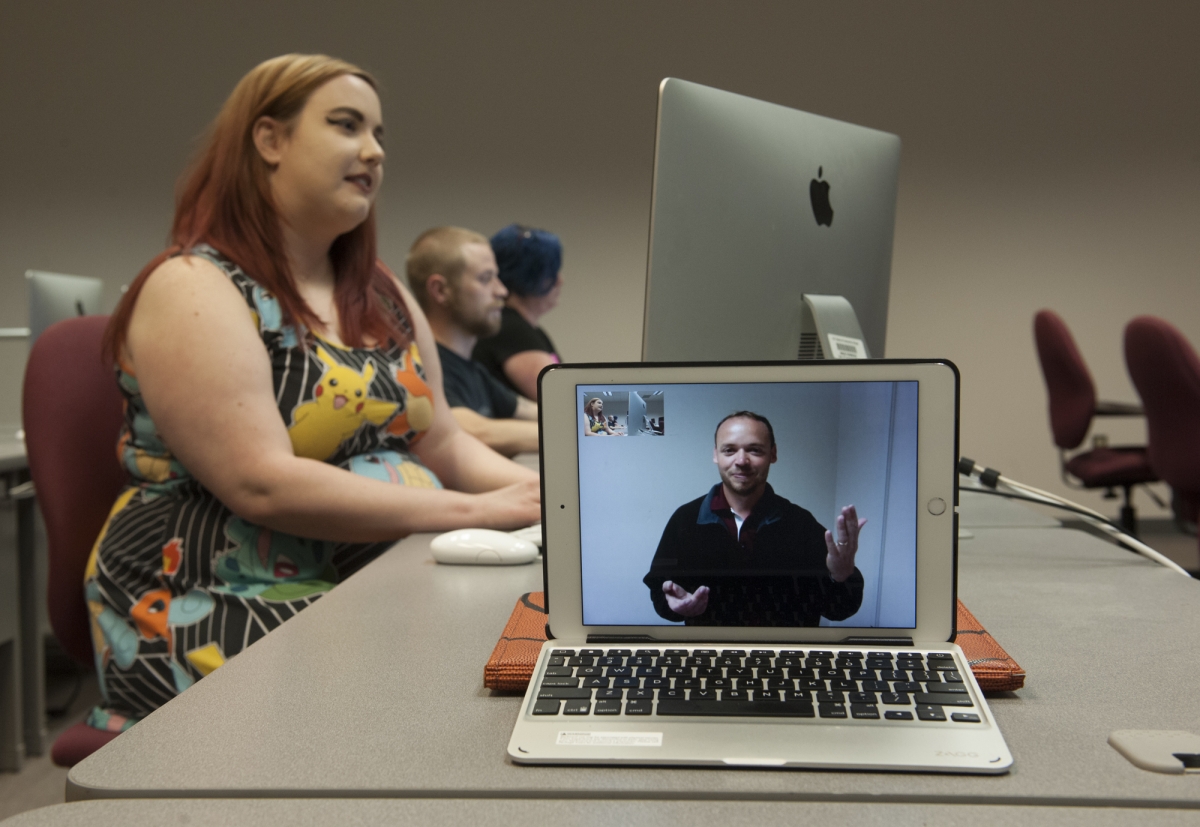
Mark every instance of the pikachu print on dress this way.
pixel 339 407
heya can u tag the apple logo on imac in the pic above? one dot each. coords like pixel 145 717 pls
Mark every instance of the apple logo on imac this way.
pixel 818 192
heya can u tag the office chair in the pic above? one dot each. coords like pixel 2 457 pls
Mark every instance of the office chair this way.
pixel 72 415
pixel 1072 405
pixel 1166 372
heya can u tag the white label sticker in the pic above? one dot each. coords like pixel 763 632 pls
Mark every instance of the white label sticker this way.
pixel 844 347
pixel 609 739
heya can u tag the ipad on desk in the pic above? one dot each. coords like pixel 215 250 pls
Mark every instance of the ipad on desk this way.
pixel 712 598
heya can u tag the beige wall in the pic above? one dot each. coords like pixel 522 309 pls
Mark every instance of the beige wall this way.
pixel 1050 155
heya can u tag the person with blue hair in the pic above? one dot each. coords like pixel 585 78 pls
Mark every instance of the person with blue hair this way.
pixel 530 262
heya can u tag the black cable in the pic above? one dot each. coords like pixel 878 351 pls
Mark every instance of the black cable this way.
pixel 1013 496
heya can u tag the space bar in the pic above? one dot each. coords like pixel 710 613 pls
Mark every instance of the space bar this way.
pixel 737 709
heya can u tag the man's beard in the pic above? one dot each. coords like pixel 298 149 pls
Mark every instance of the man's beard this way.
pixel 481 327
pixel 748 486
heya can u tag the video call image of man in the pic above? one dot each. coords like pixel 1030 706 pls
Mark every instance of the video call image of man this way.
pixel 453 274
pixel 741 555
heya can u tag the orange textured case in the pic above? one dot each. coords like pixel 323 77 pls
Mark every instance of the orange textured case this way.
pixel 515 656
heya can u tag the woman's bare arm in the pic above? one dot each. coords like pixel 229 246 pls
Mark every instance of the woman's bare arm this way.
pixel 206 380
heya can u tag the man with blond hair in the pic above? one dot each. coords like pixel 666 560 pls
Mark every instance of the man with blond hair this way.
pixel 453 274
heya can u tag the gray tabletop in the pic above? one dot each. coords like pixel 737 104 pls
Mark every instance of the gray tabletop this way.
pixel 483 812
pixel 376 691
pixel 978 510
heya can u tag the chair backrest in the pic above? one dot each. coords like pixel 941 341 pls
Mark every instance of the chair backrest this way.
pixel 1166 372
pixel 72 414
pixel 1068 383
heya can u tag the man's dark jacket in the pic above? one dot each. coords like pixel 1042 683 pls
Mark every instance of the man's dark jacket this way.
pixel 780 580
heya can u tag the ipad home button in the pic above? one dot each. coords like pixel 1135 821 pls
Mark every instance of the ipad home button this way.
pixel 937 506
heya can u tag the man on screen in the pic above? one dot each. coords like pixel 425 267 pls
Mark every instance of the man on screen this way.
pixel 742 555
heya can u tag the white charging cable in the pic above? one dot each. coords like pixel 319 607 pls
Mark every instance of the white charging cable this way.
pixel 992 478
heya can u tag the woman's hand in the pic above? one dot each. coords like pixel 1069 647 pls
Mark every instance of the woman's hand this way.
pixel 513 506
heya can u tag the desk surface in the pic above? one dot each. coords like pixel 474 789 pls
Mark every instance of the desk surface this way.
pixel 978 510
pixel 484 812
pixel 376 691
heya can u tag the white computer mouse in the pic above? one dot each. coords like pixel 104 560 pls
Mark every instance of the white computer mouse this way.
pixel 482 547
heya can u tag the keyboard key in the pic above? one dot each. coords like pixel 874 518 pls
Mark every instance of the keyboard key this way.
pixel 895 698
pixel 942 699
pixel 596 683
pixel 704 694
pixel 819 653
pixel 964 717
pixel 734 695
pixel 591 653
pixel 946 688
pixel 687 683
pixel 864 711
pixel 558 672
pixel 875 686
pixel 952 677
pixel 792 653
pixel 677 694
pixel 640 694
pixel 610 661
pixel 832 710
pixel 737 709
pixel 618 671
pixel 546 707
pixel 625 682
pixel 577 707
pixel 557 660
pixel 801 695
pixel 618 653
pixel 563 653
pixel 930 712
pixel 608 707
pixel 942 656
pixel 843 686
pixel 762 653
pixel 898 715
pixel 704 653
pixel 609 693
pixel 554 693
pixel 657 683
pixel 906 686
pixel 571 682
pixel 646 653
pixel 831 697
pixel 862 697
pixel 590 671
pixel 676 653
pixel 638 706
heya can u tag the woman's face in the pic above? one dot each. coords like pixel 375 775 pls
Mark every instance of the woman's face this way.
pixel 328 163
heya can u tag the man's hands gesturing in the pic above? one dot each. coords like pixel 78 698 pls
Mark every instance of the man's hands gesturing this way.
pixel 840 560
pixel 683 602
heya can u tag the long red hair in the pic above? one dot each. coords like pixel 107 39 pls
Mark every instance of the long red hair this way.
pixel 224 199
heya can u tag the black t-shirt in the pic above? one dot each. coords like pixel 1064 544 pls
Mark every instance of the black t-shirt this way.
pixel 516 336
pixel 468 385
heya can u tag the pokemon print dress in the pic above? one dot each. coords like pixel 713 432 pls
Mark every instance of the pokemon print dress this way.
pixel 177 583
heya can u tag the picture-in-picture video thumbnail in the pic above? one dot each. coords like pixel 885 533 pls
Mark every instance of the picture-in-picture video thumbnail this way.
pixel 624 413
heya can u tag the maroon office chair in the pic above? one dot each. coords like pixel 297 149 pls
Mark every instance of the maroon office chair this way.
pixel 1166 372
pixel 1072 406
pixel 72 413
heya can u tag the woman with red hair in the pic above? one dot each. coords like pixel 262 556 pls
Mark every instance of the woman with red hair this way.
pixel 285 421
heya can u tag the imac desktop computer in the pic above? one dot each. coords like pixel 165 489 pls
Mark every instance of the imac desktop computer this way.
pixel 54 297
pixel 770 231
